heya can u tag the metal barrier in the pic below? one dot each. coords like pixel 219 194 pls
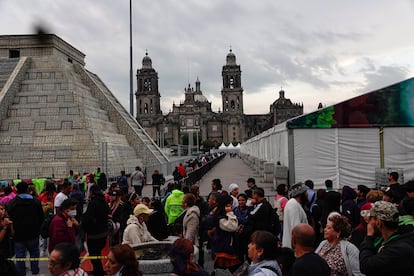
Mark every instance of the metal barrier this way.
pixel 196 175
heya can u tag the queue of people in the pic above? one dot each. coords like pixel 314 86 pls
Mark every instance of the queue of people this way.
pixel 351 232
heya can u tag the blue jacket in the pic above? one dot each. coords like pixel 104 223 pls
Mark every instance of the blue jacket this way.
pixel 259 268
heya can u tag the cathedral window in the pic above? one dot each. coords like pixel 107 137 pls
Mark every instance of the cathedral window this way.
pixel 147 85
pixel 231 82
pixel 140 85
pixel 232 105
pixel 146 108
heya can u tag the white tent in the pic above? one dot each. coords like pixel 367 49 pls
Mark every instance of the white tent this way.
pixel 347 142
pixel 222 147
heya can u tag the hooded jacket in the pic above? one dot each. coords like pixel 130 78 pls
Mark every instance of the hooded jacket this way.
pixel 173 205
pixel 136 233
pixel 191 224
pixel 349 206
pixel 394 257
pixel 27 215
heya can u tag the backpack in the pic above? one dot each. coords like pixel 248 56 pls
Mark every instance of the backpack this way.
pixel 162 179
pixel 274 222
pixel 176 228
pixel 44 228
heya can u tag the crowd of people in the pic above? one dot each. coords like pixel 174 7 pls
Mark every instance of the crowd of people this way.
pixel 298 232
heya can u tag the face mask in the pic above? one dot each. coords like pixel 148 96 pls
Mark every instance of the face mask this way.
pixel 72 213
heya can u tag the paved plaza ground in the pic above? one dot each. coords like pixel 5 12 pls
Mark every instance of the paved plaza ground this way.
pixel 229 170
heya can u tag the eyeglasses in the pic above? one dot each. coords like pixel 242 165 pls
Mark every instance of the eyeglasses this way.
pixel 54 263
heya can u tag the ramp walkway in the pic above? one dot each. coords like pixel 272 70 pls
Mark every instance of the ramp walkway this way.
pixel 229 170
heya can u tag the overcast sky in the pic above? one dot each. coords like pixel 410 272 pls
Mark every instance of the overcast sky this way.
pixel 318 51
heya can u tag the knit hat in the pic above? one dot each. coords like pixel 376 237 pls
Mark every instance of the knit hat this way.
pixel 385 211
pixel 297 189
pixel 365 209
pixel 232 187
pixel 142 209
pixel 364 189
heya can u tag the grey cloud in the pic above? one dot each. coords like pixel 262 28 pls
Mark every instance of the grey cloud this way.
pixel 380 76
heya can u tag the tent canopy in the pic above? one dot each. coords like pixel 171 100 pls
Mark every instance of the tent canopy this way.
pixel 392 106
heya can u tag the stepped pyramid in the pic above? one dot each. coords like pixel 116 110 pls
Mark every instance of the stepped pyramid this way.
pixel 55 115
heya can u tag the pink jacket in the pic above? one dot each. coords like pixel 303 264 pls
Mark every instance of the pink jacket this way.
pixel 5 199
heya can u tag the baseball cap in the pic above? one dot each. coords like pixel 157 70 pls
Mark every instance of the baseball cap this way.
pixel 385 211
pixel 297 189
pixel 142 209
pixel 365 209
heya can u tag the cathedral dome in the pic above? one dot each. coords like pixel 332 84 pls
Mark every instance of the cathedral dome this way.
pixel 146 62
pixel 200 98
pixel 231 58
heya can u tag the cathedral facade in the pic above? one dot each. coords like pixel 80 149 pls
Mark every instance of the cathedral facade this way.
pixel 194 122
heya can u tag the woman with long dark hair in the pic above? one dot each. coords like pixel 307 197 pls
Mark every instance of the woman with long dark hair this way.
pixel 95 225
pixel 224 240
pixel 122 261
pixel 6 234
pixel 181 256
pixel 242 213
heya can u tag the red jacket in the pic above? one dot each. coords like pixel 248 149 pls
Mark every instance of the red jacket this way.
pixel 60 232
pixel 182 171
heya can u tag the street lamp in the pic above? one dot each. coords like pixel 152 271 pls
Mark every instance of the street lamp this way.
pixel 131 86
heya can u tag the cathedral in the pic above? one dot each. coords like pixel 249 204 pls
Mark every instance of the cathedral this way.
pixel 193 122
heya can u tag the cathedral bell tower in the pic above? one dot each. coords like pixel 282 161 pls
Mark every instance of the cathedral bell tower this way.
pixel 232 98
pixel 148 97
pixel 232 92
